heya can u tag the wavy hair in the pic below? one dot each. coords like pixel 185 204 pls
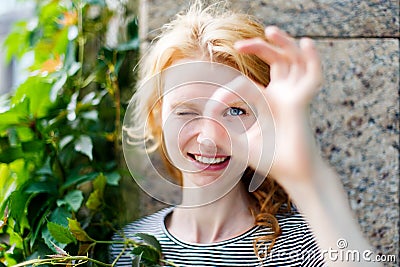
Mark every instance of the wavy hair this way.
pixel 209 34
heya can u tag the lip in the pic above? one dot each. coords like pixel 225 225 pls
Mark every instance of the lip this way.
pixel 209 167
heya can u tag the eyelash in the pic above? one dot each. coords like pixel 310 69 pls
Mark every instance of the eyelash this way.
pixel 185 113
pixel 228 112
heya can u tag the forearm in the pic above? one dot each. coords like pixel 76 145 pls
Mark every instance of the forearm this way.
pixel 325 205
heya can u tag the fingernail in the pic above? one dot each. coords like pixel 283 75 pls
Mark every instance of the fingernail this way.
pixel 238 44
pixel 271 29
pixel 307 41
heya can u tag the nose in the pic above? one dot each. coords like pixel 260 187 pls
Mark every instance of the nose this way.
pixel 211 135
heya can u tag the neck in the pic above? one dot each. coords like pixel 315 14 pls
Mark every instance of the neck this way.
pixel 222 219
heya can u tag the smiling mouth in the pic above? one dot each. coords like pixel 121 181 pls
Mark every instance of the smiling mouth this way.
pixel 209 160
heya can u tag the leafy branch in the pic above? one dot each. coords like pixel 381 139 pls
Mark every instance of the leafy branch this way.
pixel 147 252
pixel 60 135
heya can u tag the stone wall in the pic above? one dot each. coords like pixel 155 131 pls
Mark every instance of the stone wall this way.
pixel 356 115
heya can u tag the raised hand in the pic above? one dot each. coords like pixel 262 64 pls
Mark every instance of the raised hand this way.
pixel 281 107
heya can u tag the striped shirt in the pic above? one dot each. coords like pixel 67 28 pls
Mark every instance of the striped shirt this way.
pixel 296 245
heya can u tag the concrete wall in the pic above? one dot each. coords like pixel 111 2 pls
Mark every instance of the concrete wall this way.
pixel 356 115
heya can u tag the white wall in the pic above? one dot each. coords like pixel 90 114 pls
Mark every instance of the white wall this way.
pixel 10 12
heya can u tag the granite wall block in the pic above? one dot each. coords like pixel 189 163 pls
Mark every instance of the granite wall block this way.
pixel 356 122
pixel 322 18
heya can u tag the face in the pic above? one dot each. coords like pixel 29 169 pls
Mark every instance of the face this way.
pixel 198 129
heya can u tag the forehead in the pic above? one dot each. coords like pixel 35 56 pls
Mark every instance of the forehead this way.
pixel 190 79
pixel 189 92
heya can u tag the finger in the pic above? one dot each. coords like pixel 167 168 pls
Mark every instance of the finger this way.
pixel 268 53
pixel 260 48
pixel 289 47
pixel 282 40
pixel 313 63
pixel 239 89
pixel 310 51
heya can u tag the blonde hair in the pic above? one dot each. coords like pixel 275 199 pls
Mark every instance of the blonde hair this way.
pixel 208 34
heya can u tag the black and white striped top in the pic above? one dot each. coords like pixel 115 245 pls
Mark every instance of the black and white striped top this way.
pixel 295 247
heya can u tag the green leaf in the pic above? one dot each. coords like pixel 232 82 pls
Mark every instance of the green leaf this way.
pixel 100 183
pixel 95 200
pixel 65 141
pixel 136 260
pixel 18 202
pixel 41 187
pixel 76 229
pixel 148 253
pixel 150 240
pixel 96 2
pixel 11 154
pixel 60 215
pixel 46 168
pixel 60 233
pixel 113 178
pixel 50 241
pixel 130 45
pixel 37 90
pixel 20 170
pixel 72 106
pixel 12 137
pixel 133 29
pixel 32 146
pixel 16 42
pixel 73 69
pixel 57 86
pixel 85 146
pixel 18 112
pixel 74 199
pixel 91 115
pixel 7 185
pixel 60 41
pixel 25 133
pixel 77 179
pixel 38 208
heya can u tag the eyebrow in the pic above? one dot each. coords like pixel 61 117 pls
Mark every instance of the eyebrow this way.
pixel 188 104
pixel 184 103
pixel 238 103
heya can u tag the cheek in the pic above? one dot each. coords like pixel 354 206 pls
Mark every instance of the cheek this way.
pixel 177 142
pixel 177 135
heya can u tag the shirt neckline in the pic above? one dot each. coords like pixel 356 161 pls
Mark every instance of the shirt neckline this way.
pixel 202 245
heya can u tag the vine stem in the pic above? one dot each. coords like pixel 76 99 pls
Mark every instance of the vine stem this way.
pixel 116 94
pixel 169 263
pixel 61 260
pixel 117 99
pixel 81 40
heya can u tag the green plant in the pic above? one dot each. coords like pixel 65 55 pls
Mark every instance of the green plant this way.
pixel 60 150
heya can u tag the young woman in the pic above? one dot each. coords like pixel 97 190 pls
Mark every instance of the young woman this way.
pixel 227 110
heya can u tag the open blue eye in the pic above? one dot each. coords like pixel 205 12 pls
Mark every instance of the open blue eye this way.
pixel 232 111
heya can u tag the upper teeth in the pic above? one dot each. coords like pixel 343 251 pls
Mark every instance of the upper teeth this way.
pixel 209 160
